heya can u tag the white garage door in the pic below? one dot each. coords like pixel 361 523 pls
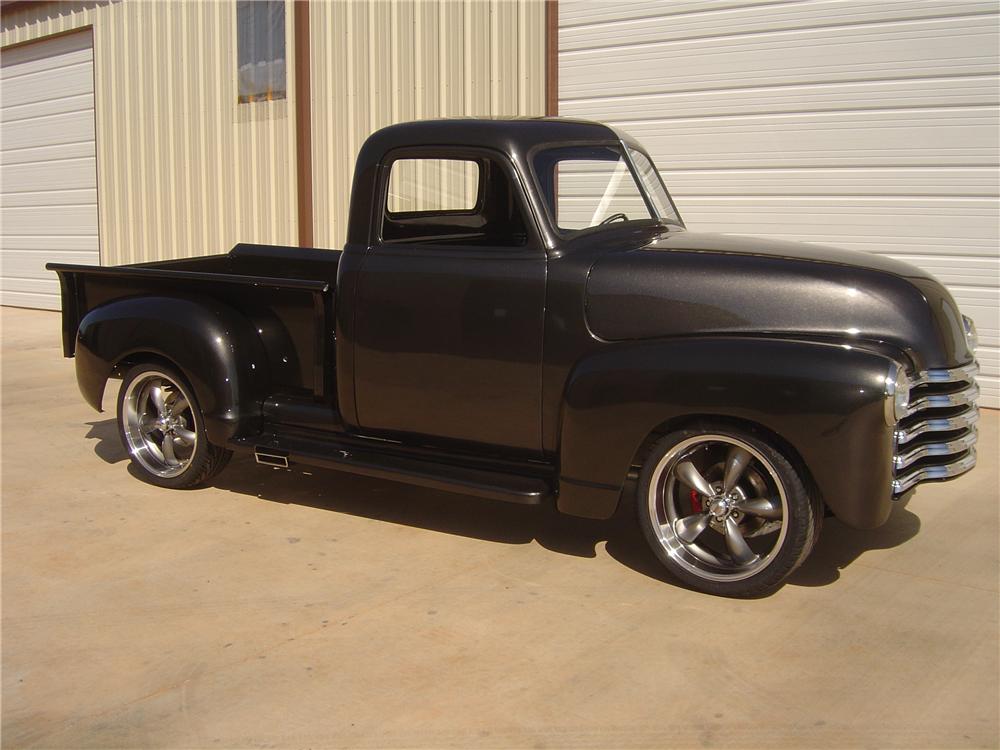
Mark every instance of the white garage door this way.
pixel 48 169
pixel 866 125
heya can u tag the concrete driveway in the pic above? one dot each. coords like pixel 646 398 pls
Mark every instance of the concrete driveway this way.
pixel 310 609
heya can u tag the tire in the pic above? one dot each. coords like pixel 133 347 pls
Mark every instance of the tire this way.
pixel 725 511
pixel 167 445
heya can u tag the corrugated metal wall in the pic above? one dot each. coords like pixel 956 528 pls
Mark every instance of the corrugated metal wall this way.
pixel 185 170
pixel 376 63
pixel 182 168
pixel 866 125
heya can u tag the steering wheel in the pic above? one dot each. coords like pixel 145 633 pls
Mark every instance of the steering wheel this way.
pixel 614 217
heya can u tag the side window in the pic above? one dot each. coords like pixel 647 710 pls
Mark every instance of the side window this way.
pixel 417 185
pixel 260 50
pixel 443 201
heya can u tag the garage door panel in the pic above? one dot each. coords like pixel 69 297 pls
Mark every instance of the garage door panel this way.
pixel 31 263
pixel 24 95
pixel 874 218
pixel 61 174
pixel 54 243
pixel 46 55
pixel 962 46
pixel 85 196
pixel 957 270
pixel 46 301
pixel 989 388
pixel 981 304
pixel 577 12
pixel 909 138
pixel 830 182
pixel 50 107
pixel 48 169
pixel 67 127
pixel 28 285
pixel 952 91
pixel 706 22
pixel 28 292
pixel 48 153
pixel 58 220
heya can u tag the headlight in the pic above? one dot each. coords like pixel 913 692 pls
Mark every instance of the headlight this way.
pixel 897 394
pixel 971 337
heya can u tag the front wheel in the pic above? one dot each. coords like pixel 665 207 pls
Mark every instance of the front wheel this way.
pixel 725 511
pixel 162 428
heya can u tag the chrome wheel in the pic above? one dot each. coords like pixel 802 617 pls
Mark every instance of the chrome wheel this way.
pixel 718 507
pixel 159 425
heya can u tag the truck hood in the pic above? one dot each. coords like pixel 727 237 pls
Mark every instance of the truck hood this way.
pixel 695 284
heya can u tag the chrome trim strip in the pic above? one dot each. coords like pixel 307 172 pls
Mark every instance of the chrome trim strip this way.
pixel 892 377
pixel 965 397
pixel 954 375
pixel 943 471
pixel 944 424
pixel 948 448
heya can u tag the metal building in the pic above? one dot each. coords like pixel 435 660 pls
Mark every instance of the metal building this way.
pixel 864 125
pixel 132 131
pixel 126 136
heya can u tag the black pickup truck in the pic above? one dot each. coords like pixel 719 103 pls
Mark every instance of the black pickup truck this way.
pixel 519 313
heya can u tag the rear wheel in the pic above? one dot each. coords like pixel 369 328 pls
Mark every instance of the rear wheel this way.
pixel 162 428
pixel 725 511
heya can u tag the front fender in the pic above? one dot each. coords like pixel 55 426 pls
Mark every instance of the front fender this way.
pixel 824 401
pixel 213 345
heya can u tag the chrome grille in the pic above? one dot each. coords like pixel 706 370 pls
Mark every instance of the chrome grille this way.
pixel 937 437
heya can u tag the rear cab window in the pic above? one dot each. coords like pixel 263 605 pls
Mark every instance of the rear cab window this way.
pixel 451 201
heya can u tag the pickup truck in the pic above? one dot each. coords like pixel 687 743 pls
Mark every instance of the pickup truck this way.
pixel 519 313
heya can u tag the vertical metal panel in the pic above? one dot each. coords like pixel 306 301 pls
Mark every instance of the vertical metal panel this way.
pixel 183 169
pixel 867 125
pixel 376 63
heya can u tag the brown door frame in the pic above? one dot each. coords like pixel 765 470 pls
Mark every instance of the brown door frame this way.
pixel 303 122
pixel 551 58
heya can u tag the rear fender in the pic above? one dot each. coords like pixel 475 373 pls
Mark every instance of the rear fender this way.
pixel 825 401
pixel 213 345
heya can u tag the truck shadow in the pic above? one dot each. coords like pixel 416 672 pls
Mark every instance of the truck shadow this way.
pixel 505 523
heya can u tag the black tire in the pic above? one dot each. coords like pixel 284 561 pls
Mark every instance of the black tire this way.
pixel 774 515
pixel 194 460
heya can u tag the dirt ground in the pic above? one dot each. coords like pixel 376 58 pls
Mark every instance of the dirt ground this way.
pixel 311 609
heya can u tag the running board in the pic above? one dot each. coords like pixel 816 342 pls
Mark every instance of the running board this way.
pixel 495 485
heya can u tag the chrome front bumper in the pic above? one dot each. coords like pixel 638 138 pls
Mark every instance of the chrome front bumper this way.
pixel 937 437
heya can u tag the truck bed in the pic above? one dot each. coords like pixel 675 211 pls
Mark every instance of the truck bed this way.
pixel 286 292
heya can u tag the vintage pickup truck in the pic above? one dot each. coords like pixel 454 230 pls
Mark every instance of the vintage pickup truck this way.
pixel 519 313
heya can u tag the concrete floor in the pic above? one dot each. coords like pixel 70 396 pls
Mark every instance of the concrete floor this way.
pixel 320 610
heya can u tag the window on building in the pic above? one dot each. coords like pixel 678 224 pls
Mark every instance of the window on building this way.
pixel 260 49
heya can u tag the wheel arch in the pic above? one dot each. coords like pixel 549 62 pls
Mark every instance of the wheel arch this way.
pixel 212 345
pixel 820 404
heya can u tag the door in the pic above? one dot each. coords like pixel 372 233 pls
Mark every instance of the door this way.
pixel 450 304
pixel 48 168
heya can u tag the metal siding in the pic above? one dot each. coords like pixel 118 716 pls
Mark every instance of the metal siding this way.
pixel 377 63
pixel 872 126
pixel 182 168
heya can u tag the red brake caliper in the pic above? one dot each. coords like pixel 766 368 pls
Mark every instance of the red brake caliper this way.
pixel 695 502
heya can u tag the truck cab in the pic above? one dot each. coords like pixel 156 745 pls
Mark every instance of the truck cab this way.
pixel 519 312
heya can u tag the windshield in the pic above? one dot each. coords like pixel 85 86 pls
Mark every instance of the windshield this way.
pixel 587 186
